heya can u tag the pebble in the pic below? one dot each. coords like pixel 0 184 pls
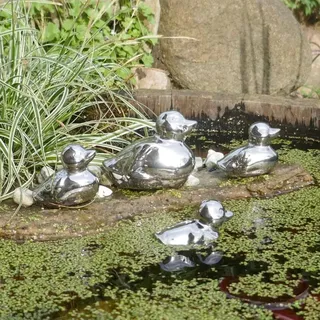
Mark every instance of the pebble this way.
pixel 192 181
pixel 104 192
pixel 198 164
pixel 23 196
pixel 212 158
pixel 44 174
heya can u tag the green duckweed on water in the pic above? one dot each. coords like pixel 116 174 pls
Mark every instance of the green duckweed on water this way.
pixel 269 246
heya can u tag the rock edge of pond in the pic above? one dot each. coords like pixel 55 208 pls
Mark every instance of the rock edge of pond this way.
pixel 35 223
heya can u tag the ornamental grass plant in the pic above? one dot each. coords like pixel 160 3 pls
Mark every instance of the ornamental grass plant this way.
pixel 45 93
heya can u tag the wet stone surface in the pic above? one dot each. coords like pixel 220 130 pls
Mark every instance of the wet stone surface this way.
pixel 37 223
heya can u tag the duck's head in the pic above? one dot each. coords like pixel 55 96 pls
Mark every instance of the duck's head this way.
pixel 212 212
pixel 261 133
pixel 173 125
pixel 75 157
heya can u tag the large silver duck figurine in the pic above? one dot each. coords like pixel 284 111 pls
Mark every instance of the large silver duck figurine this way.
pixel 160 161
pixel 255 158
pixel 72 185
pixel 197 232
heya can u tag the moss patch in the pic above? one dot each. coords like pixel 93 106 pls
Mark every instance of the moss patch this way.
pixel 308 159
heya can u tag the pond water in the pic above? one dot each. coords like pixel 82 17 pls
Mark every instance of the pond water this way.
pixel 269 266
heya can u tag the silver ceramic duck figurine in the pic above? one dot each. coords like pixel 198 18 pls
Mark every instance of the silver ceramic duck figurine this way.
pixel 197 232
pixel 160 161
pixel 255 158
pixel 188 233
pixel 72 185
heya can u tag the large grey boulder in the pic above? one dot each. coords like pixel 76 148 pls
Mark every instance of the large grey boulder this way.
pixel 313 35
pixel 241 46
pixel 155 7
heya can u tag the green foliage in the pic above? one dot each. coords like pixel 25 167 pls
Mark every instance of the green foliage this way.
pixel 306 8
pixel 46 93
pixel 308 159
pixel 118 27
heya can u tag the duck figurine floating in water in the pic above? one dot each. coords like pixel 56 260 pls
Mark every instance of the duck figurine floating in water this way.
pixel 160 161
pixel 74 184
pixel 197 232
pixel 254 159
pixel 188 233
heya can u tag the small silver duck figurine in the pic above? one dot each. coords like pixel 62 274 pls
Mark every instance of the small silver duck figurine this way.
pixel 72 185
pixel 255 158
pixel 197 232
pixel 160 161
pixel 188 233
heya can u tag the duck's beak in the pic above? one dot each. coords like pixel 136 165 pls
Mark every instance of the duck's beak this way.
pixel 190 124
pixel 90 155
pixel 274 132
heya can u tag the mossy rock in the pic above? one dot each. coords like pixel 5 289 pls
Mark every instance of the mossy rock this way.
pixel 52 224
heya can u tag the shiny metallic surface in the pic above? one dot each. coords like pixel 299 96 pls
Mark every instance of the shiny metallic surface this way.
pixel 188 233
pixel 173 125
pixel 74 184
pixel 212 212
pixel 160 161
pixel 176 263
pixel 255 158
pixel 213 258
pixel 197 232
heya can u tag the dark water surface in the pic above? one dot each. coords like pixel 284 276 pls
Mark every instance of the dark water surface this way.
pixel 229 269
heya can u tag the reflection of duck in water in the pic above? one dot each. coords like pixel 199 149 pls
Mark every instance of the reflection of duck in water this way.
pixel 190 259
pixel 254 159
pixel 177 262
pixel 160 161
pixel 74 184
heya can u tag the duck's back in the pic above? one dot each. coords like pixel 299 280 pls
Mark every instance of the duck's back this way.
pixel 154 160
pixel 68 189
pixel 249 161
pixel 165 158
